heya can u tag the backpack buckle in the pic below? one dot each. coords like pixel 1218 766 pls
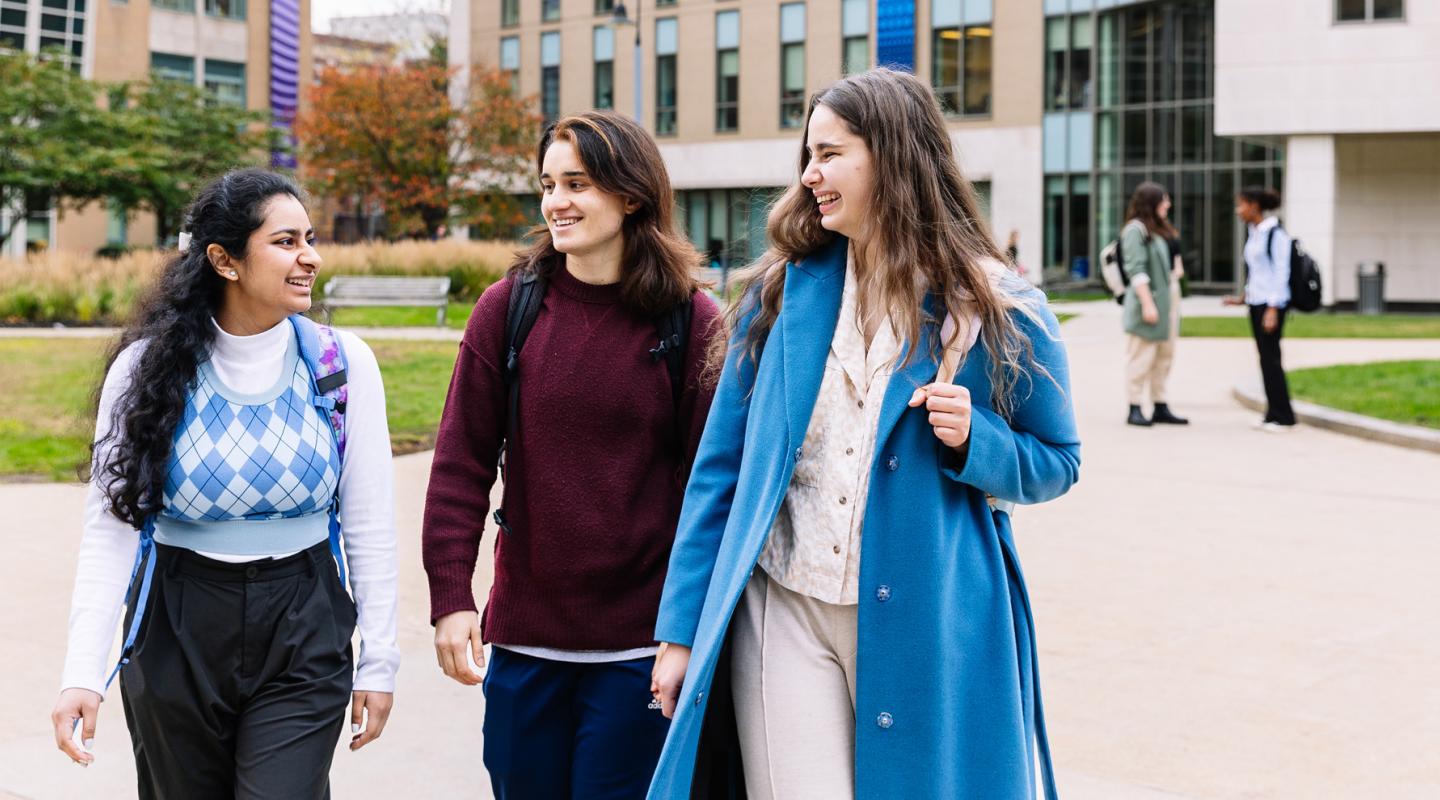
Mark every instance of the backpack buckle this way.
pixel 499 516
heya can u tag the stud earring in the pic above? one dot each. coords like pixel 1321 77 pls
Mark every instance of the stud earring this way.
pixel 232 273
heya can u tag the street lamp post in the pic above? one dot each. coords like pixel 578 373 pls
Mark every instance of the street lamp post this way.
pixel 622 17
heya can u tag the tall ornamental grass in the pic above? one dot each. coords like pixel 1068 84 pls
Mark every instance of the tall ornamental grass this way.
pixel 78 289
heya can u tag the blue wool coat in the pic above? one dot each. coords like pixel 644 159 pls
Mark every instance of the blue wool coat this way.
pixel 947 704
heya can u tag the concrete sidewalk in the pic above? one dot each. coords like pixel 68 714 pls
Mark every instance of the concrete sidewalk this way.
pixel 1221 613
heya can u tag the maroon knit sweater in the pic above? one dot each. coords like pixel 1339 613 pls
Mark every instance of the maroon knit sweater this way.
pixel 593 490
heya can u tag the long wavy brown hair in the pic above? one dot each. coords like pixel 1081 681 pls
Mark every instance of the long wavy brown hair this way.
pixel 659 267
pixel 1145 206
pixel 924 233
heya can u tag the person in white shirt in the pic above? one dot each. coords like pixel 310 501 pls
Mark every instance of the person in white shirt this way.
pixel 213 436
pixel 1267 293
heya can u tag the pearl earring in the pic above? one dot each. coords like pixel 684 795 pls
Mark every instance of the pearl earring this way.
pixel 232 273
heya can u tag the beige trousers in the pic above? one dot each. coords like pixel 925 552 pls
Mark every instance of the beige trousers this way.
pixel 793 673
pixel 1148 363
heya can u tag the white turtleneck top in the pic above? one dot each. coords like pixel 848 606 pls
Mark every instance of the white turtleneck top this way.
pixel 249 364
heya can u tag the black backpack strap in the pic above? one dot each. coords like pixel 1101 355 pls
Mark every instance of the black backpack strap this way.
pixel 673 328
pixel 1270 243
pixel 526 294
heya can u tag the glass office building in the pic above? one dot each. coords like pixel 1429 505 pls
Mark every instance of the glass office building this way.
pixel 1129 97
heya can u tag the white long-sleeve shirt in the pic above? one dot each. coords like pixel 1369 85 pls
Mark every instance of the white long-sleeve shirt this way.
pixel 1267 278
pixel 249 364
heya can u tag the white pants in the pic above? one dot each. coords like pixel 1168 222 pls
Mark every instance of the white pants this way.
pixel 793 673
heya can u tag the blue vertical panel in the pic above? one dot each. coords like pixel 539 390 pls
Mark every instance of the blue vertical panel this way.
pixel 284 75
pixel 1082 141
pixel 1054 147
pixel 895 34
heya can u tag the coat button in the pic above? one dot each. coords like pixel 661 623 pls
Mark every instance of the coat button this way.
pixel 843 501
pixel 883 593
pixel 798 452
pixel 893 464
pixel 698 697
pixel 251 572
pixel 885 720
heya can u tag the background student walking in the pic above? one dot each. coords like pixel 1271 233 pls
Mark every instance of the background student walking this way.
pixel 1151 316
pixel 1267 294
pixel 599 418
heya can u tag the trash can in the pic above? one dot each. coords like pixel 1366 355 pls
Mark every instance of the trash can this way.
pixel 1371 299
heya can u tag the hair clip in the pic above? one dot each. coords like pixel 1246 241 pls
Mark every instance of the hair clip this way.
pixel 184 242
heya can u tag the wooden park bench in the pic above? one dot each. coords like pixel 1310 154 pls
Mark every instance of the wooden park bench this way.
pixel 385 290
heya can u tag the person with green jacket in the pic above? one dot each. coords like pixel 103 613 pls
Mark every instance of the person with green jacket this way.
pixel 1152 303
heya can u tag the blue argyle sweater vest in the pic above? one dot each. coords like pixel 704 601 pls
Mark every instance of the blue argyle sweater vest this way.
pixel 251 474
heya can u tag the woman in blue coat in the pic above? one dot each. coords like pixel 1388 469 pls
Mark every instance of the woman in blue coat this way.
pixel 844 614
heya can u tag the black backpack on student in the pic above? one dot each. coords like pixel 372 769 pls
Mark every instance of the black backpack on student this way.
pixel 1304 275
pixel 526 293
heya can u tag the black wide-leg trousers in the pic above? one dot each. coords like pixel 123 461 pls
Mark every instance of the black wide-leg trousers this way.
pixel 240 678
pixel 1277 389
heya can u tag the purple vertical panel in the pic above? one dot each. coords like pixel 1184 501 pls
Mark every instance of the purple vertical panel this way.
pixel 284 73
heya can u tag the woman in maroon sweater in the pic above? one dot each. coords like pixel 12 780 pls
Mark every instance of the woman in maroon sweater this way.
pixel 598 446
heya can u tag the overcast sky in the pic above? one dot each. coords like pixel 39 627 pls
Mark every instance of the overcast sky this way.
pixel 322 11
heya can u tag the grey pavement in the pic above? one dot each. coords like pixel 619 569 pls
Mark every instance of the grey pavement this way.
pixel 1222 613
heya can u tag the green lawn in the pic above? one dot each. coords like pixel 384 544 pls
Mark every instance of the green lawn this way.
pixel 400 316
pixel 45 424
pixel 1062 317
pixel 1322 326
pixel 1079 296
pixel 1401 391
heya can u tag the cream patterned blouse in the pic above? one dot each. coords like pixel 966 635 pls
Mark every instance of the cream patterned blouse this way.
pixel 814 546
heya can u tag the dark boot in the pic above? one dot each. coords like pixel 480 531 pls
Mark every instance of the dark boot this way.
pixel 1164 416
pixel 1137 418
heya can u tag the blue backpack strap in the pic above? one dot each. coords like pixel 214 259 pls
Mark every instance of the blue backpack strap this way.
pixel 144 560
pixel 324 356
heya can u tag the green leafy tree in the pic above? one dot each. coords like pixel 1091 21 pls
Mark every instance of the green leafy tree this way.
pixel 55 140
pixel 175 138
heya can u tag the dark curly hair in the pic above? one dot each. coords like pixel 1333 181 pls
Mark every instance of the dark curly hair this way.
pixel 174 322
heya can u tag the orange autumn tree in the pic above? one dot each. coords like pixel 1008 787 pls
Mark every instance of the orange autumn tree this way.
pixel 390 134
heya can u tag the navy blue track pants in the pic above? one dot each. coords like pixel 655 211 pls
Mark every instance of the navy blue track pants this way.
pixel 556 730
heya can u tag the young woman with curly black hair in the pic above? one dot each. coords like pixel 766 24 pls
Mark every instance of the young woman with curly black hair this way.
pixel 212 434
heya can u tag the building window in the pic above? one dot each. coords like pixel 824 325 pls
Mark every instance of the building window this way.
pixel 12 25
pixel 960 69
pixel 228 9
pixel 61 29
pixel 855 36
pixel 666 42
pixel 604 45
pixel 792 65
pixel 727 225
pixel 1369 10
pixel 509 13
pixel 727 71
pixel 1129 97
pixel 180 69
pixel 225 81
pixel 117 223
pixel 604 7
pixel 510 61
pixel 663 3
pixel 549 10
pixel 550 75
pixel 187 6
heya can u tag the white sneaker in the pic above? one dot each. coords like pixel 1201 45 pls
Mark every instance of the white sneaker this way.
pixel 1274 427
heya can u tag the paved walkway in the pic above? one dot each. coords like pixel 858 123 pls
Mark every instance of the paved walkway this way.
pixel 1222 613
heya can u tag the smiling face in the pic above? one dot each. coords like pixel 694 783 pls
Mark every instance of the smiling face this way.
pixel 584 220
pixel 839 173
pixel 277 274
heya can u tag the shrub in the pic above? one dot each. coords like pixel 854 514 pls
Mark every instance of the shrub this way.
pixel 72 288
